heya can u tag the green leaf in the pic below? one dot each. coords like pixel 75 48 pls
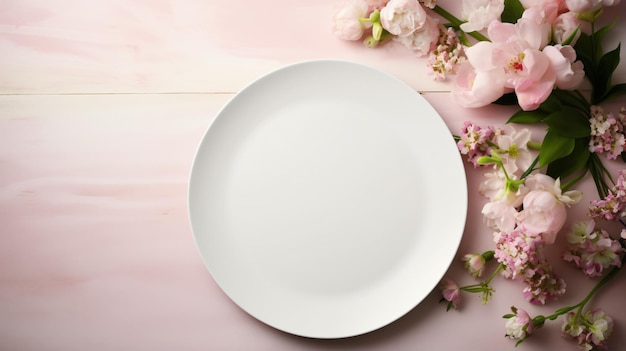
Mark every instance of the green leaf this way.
pixel 513 10
pixel 554 147
pixel 598 37
pixel 608 64
pixel 571 163
pixel 568 123
pixel 527 117
pixel 568 98
pixel 552 104
pixel 616 90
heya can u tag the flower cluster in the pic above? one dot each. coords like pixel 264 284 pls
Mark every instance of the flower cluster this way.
pixel 607 132
pixel 613 205
pixel 526 215
pixel 590 330
pixel 592 250
pixel 447 56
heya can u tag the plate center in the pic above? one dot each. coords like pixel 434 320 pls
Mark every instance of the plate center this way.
pixel 331 193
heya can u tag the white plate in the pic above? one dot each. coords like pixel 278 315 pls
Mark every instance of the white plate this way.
pixel 327 199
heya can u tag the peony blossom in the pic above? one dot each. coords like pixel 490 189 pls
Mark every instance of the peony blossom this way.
pixel 540 181
pixel 569 73
pixel 479 13
pixel 542 214
pixel 346 22
pixel 423 40
pixel 402 17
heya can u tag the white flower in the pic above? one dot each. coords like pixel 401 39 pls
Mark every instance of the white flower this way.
pixel 402 17
pixel 479 13
pixel 494 188
pixel 346 22
pixel 513 151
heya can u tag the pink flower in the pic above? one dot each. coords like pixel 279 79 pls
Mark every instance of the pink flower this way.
pixel 479 13
pixel 569 72
pixel 542 214
pixel 402 17
pixel 520 325
pixel 346 21
pixel 423 40
pixel 451 293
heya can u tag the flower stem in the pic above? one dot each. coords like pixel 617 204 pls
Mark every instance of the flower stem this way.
pixel 455 22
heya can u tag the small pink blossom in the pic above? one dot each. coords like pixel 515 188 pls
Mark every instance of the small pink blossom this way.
pixel 520 325
pixel 479 13
pixel 402 17
pixel 451 293
pixel 346 21
pixel 475 141
pixel 475 264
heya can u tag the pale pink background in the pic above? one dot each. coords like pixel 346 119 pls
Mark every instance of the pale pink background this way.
pixel 102 106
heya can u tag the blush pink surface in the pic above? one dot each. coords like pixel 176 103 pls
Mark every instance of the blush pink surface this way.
pixel 102 106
